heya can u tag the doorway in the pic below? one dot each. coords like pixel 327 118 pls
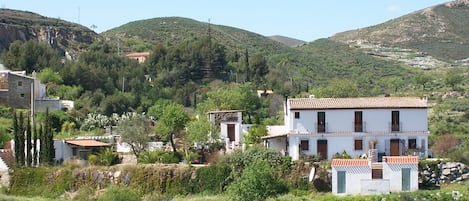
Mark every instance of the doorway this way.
pixel 395 147
pixel 231 132
pixel 322 149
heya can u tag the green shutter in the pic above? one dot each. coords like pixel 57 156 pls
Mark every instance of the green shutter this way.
pixel 405 179
pixel 341 182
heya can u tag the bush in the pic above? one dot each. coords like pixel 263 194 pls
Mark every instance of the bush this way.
pixel 256 183
pixel 108 157
pixel 93 159
pixel 239 160
pixel 159 156
pixel 212 179
pixel 119 193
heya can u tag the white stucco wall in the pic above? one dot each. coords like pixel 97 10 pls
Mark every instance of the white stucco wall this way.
pixel 278 143
pixel 353 176
pixel 374 120
pixel 393 172
pixel 62 150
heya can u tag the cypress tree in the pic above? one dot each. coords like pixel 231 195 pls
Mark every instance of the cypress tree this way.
pixel 42 155
pixel 16 138
pixel 49 140
pixel 35 137
pixel 21 140
pixel 29 157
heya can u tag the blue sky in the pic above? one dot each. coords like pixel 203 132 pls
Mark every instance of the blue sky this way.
pixel 306 20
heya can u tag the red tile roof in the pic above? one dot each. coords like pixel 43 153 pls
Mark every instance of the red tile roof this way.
pixel 401 159
pixel 357 103
pixel 349 162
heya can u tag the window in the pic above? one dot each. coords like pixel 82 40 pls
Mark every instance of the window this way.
pixel 412 144
pixel 358 121
pixel 377 173
pixel 358 144
pixel 304 145
pixel 297 115
pixel 395 121
pixel 20 83
pixel 321 122
pixel 21 95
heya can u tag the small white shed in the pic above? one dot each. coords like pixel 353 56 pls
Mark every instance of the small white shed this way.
pixel 361 176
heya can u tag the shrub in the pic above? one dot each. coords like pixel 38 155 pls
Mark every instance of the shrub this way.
pixel 159 156
pixel 212 179
pixel 93 159
pixel 256 183
pixel 108 157
pixel 239 160
pixel 119 193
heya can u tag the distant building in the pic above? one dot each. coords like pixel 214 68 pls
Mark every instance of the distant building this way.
pixel 139 56
pixel 18 90
pixel 264 93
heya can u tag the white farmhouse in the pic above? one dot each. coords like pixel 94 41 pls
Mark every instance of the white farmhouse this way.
pixel 388 126
pixel 362 176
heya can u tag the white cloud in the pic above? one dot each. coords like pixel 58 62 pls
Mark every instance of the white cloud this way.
pixel 393 8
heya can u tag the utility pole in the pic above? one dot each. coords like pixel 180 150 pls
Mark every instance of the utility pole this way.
pixel 123 84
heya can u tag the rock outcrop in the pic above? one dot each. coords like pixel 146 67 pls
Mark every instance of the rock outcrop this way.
pixel 59 34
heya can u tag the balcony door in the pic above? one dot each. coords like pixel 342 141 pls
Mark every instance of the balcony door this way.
pixel 395 121
pixel 321 122
pixel 358 124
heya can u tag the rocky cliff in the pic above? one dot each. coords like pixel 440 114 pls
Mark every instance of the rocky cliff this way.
pixel 64 36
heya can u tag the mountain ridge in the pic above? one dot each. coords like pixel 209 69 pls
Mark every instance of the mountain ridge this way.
pixel 441 31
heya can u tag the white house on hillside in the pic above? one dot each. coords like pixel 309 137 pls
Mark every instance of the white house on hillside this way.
pixel 389 126
pixel 231 126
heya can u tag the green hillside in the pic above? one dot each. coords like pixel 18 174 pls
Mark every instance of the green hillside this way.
pixel 141 35
pixel 441 31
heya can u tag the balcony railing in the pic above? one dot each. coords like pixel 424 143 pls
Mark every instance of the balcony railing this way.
pixel 321 128
pixel 395 127
pixel 359 127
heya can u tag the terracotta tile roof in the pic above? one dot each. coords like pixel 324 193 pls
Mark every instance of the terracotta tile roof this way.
pixel 87 143
pixel 401 159
pixel 356 103
pixel 349 162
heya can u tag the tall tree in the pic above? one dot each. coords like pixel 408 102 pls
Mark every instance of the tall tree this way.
pixel 135 130
pixel 35 145
pixel 21 139
pixel 246 65
pixel 16 138
pixel 201 131
pixel 29 157
pixel 171 122
pixel 259 69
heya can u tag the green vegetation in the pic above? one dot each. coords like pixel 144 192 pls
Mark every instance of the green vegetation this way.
pixel 191 72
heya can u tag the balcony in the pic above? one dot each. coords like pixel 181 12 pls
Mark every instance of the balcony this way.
pixel 395 126
pixel 359 127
